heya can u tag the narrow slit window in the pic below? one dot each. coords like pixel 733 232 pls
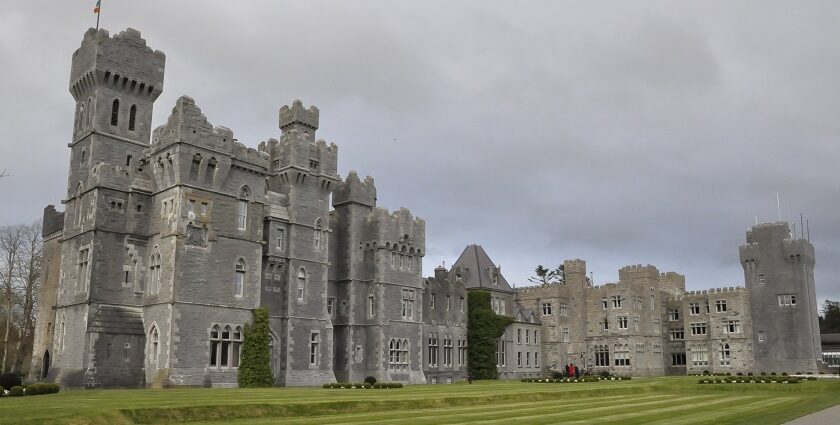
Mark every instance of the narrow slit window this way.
pixel 132 116
pixel 115 112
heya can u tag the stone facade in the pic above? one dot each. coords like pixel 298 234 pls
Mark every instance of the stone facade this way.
pixel 647 324
pixel 172 236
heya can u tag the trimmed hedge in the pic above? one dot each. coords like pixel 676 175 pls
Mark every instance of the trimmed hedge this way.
pixel 16 391
pixel 576 380
pixel 38 389
pixel 362 385
pixel 748 380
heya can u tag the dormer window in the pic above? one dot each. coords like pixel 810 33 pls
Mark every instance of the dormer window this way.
pixel 458 278
pixel 495 279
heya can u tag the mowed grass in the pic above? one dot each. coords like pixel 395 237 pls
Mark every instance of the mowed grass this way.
pixel 667 400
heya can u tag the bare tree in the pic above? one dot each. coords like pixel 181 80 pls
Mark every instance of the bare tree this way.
pixel 3 173
pixel 29 274
pixel 11 243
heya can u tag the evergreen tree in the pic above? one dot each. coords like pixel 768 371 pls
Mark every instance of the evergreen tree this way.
pixel 830 319
pixel 255 363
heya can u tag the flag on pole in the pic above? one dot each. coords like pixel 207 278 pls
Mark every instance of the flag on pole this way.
pixel 96 9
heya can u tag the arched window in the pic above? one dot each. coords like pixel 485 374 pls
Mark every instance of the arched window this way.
pixel 239 279
pixel 215 345
pixel 79 204
pixel 398 354
pixel 89 109
pixel 301 283
pixel 225 346
pixel 77 124
pixel 316 235
pixel 210 172
pixel 154 274
pixel 115 112
pixel 154 348
pixel 132 117
pixel 242 213
pixel 196 164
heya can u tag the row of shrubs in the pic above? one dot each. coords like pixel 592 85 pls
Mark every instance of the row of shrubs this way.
pixel 362 385
pixel 771 380
pixel 581 379
pixel 31 389
pixel 707 373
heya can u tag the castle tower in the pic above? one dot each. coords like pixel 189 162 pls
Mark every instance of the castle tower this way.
pixel 779 275
pixel 305 171
pixel 99 329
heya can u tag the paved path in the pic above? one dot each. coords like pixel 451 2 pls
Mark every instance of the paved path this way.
pixel 823 417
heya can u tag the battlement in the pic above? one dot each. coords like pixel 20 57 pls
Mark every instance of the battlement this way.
pixel 298 149
pixel 637 271
pixel 574 266
pixel 52 222
pixel 702 294
pixel 399 228
pixel 353 190
pixel 123 62
pixel 296 116
pixel 801 248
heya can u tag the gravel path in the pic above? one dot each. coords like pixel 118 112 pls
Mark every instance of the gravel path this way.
pixel 830 416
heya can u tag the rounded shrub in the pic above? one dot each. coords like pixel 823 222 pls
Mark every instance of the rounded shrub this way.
pixel 750 374
pixel 772 373
pixel 9 380
pixel 16 391
pixel 784 374
pixel 763 373
pixel 370 380
pixel 2 391
pixel 706 372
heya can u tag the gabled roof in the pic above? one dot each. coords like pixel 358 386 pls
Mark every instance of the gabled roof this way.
pixel 478 270
pixel 525 315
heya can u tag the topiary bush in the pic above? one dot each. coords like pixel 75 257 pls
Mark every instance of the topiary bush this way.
pixel 370 380
pixel 484 327
pixel 2 392
pixel 9 380
pixel 255 363
pixel 16 391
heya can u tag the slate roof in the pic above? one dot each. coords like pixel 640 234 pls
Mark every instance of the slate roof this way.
pixel 478 270
pixel 117 320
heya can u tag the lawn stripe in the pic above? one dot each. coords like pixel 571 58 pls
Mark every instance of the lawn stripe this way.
pixel 624 417
pixel 704 415
pixel 585 415
pixel 432 414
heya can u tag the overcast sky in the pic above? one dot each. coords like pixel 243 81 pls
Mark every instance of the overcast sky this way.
pixel 615 132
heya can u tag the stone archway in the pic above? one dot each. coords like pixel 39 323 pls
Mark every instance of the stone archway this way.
pixel 45 369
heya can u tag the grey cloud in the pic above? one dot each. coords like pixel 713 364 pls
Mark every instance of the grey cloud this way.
pixel 617 132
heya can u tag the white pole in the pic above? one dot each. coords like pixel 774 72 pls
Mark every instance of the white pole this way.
pixel 779 206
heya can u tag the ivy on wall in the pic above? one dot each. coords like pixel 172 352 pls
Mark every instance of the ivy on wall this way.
pixel 484 327
pixel 255 363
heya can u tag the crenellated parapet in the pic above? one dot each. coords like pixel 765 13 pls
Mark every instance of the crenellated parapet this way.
pixel 299 118
pixel 730 291
pixel 297 149
pixel 797 250
pixel 398 230
pixel 638 271
pixel 353 190
pixel 123 61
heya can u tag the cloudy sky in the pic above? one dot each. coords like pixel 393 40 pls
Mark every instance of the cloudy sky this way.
pixel 616 132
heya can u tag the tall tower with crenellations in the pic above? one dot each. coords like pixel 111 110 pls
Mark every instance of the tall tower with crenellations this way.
pixel 99 332
pixel 779 275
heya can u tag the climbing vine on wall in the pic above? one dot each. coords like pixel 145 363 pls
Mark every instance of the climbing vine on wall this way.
pixel 484 327
pixel 255 363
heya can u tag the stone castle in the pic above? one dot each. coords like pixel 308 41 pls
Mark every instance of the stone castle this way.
pixel 171 236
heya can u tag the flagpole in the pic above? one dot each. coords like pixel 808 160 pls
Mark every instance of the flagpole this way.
pixel 98 13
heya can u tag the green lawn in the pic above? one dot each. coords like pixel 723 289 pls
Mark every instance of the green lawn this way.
pixel 670 400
